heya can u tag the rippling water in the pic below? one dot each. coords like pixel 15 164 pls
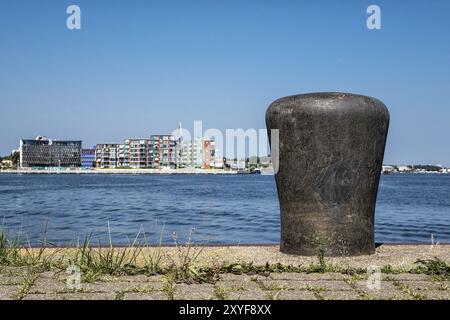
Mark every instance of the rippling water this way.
pixel 222 209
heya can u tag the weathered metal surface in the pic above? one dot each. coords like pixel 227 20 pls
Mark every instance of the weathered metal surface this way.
pixel 331 148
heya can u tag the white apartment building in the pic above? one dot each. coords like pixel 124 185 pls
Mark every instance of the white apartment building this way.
pixel 199 153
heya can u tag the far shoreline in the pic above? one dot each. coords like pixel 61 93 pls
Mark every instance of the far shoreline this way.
pixel 190 171
pixel 133 172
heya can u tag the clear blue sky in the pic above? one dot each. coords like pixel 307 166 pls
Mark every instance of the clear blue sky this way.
pixel 138 67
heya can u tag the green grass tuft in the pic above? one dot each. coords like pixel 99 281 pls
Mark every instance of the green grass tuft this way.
pixel 434 267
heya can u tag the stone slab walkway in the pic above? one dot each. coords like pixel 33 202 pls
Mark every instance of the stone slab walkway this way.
pixel 24 283
pixel 21 283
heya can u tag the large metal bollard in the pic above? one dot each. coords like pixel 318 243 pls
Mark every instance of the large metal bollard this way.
pixel 331 148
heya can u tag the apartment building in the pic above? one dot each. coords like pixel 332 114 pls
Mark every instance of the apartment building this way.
pixel 163 152
pixel 199 153
pixel 137 153
pixel 107 155
pixel 157 152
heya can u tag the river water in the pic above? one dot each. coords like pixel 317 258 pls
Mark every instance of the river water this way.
pixel 234 209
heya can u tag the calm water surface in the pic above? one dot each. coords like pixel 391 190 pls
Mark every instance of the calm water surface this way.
pixel 222 209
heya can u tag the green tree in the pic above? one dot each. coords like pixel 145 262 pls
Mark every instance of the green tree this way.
pixel 15 158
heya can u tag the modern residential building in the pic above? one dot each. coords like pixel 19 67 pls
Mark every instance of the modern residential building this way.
pixel 199 153
pixel 137 153
pixel 191 153
pixel 157 152
pixel 123 161
pixel 163 152
pixel 88 158
pixel 43 152
pixel 107 155
pixel 208 153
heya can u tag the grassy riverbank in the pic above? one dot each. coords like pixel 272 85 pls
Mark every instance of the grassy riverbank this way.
pixel 189 262
pixel 191 271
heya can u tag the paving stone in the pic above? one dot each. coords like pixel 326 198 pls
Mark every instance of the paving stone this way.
pixel 284 286
pixel 247 295
pixel 48 275
pixel 12 280
pixel 239 277
pixel 194 292
pixel 421 285
pixel 331 285
pixel 60 276
pixel 15 271
pixel 155 295
pixel 306 276
pixel 353 279
pixel 387 291
pixel 291 295
pixel 48 285
pixel 406 277
pixel 7 292
pixel 388 295
pixel 340 295
pixel 437 294
pixel 135 279
pixel 122 286
pixel 384 285
pixel 304 285
pixel 236 285
pixel 71 296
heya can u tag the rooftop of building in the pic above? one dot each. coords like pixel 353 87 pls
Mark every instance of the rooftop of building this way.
pixel 49 142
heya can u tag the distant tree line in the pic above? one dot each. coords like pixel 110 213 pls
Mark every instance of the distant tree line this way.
pixel 426 167
pixel 14 157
